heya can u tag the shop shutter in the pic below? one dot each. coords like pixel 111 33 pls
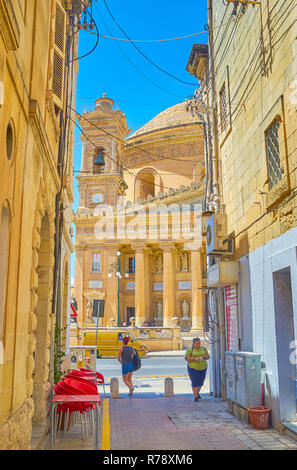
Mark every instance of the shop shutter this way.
pixel 59 55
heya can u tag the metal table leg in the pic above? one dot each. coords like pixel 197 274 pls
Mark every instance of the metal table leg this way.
pixel 98 427
pixel 53 424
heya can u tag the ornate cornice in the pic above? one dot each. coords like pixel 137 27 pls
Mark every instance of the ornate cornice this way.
pixel 9 28
pixel 134 146
pixel 41 138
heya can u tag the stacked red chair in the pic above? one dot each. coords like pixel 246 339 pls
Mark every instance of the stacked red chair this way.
pixel 100 378
pixel 75 385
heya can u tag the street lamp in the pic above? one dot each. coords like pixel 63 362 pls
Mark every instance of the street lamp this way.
pixel 119 270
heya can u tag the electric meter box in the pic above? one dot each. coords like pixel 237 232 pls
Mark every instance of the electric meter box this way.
pixel 248 374
pixel 83 356
pixel 243 378
pixel 230 365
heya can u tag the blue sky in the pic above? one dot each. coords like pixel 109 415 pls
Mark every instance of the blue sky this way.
pixel 116 68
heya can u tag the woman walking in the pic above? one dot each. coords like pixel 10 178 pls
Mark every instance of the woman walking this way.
pixel 125 357
pixel 196 356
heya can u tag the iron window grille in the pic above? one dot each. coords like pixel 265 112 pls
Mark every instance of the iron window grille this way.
pixel 273 154
pixel 223 108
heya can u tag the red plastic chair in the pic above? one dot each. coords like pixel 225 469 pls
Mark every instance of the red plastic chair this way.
pixel 100 378
pixel 77 373
pixel 101 381
pixel 65 411
pixel 85 388
pixel 83 380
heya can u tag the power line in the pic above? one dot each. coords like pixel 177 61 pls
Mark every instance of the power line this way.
pixel 118 164
pixel 135 66
pixel 135 146
pixel 97 40
pixel 145 56
pixel 158 40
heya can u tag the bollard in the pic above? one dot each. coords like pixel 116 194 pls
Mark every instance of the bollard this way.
pixel 169 387
pixel 114 388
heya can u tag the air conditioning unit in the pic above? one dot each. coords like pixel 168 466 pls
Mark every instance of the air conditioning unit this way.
pixel 223 273
pixel 217 241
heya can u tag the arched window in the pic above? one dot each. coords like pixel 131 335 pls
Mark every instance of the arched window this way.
pixel 4 256
pixel 98 161
pixel 146 184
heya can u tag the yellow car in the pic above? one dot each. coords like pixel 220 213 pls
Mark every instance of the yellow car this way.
pixel 109 342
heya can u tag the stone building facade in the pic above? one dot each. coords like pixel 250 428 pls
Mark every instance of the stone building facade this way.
pixel 36 184
pixel 124 256
pixel 249 83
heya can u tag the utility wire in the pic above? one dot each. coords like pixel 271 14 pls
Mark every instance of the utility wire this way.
pixel 158 40
pixel 135 66
pixel 97 33
pixel 145 56
pixel 135 146
pixel 118 164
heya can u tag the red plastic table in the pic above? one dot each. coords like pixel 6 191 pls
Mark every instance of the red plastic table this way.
pixel 60 399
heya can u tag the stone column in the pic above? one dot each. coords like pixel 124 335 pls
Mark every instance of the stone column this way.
pixel 168 283
pixel 197 292
pixel 140 297
pixel 83 157
pixel 148 284
pixel 114 154
pixel 111 307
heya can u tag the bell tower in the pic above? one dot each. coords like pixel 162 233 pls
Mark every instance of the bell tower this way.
pixel 101 178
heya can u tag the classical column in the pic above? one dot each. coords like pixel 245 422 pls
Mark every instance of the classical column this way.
pixel 140 296
pixel 168 283
pixel 197 292
pixel 148 284
pixel 111 307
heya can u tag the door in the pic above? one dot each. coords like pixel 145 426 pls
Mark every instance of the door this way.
pixel 130 314
pixel 285 337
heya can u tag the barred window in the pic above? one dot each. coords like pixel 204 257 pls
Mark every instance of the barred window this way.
pixel 131 265
pixel 273 154
pixel 96 262
pixel 223 108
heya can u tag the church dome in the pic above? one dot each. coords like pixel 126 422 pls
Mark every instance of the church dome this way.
pixel 174 116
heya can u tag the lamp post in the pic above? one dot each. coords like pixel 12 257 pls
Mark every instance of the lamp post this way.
pixel 119 270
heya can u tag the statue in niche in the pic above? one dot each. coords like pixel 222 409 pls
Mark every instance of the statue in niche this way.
pixel 159 264
pixel 89 311
pixel 185 309
pixel 158 310
pixel 184 262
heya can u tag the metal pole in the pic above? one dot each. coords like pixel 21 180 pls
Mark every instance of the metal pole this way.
pixel 118 322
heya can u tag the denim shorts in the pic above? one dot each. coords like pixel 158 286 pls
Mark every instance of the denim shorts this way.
pixel 126 368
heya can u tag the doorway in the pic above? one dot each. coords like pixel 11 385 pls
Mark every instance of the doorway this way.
pixel 285 338
pixel 130 314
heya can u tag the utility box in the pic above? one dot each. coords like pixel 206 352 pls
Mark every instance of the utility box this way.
pixel 248 375
pixel 231 375
pixel 83 356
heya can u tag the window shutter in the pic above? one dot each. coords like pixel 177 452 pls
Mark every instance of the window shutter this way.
pixel 59 55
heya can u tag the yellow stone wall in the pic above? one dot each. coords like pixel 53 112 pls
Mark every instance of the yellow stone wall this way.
pixel 256 60
pixel 29 184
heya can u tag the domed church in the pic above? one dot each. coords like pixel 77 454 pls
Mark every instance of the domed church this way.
pixel 139 247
